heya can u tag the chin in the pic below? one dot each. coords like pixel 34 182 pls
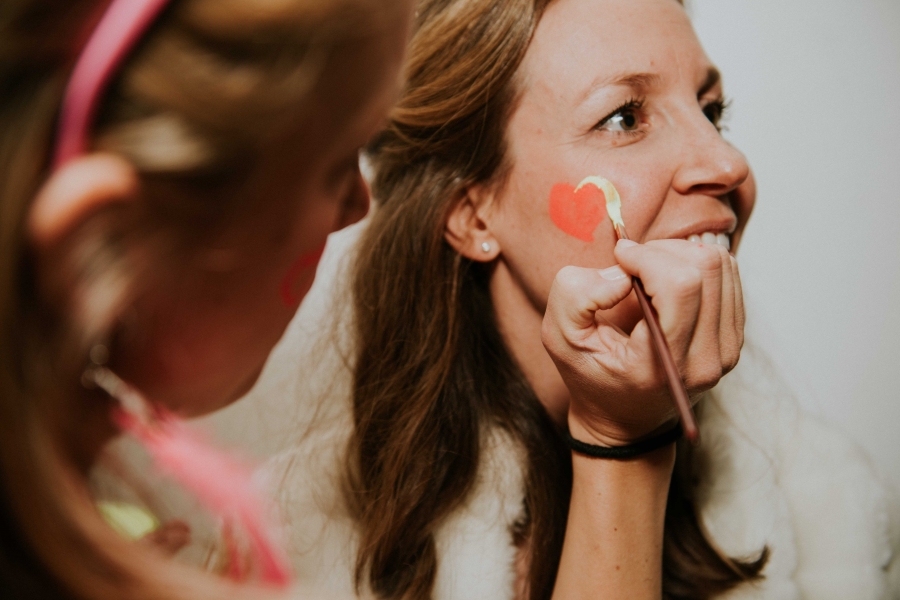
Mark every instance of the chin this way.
pixel 192 408
pixel 245 386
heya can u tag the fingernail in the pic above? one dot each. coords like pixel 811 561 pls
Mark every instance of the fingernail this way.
pixel 613 273
pixel 626 243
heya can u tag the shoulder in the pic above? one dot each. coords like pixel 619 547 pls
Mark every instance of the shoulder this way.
pixel 307 368
pixel 306 483
pixel 302 415
pixel 842 511
pixel 739 496
pixel 777 475
pixel 475 546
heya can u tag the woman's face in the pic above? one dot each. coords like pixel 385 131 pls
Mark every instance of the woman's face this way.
pixel 620 89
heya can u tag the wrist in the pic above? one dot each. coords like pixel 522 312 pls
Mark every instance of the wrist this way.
pixel 627 452
pixel 611 435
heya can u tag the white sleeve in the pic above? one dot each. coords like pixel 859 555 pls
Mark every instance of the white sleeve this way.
pixel 841 512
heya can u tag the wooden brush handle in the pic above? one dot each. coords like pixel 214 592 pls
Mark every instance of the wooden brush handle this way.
pixel 676 385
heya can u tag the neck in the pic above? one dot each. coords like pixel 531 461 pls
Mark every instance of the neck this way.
pixel 86 428
pixel 519 319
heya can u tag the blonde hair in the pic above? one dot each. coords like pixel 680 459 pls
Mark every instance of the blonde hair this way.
pixel 214 85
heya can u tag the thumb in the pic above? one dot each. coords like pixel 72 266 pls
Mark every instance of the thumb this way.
pixel 576 296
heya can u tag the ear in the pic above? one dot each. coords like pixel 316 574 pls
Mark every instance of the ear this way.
pixel 74 192
pixel 467 229
pixel 356 204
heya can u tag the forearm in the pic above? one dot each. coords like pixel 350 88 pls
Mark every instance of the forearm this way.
pixel 614 537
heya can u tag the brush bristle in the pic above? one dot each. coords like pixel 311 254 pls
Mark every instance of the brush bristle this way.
pixel 613 201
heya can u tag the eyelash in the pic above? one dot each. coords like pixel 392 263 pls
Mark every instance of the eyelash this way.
pixel 631 105
pixel 716 111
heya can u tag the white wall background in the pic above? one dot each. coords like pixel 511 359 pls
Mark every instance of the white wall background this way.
pixel 816 90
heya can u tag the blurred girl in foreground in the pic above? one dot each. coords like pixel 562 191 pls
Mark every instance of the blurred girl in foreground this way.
pixel 465 286
pixel 165 243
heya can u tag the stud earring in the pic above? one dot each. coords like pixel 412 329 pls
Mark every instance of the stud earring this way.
pixel 485 246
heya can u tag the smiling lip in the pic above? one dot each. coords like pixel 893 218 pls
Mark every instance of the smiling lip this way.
pixel 715 226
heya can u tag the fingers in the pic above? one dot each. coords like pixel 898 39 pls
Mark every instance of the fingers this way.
pixel 675 286
pixel 729 344
pixel 740 315
pixel 696 290
pixel 575 297
pixel 613 387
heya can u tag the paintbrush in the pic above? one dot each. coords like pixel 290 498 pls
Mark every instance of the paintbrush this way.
pixel 676 385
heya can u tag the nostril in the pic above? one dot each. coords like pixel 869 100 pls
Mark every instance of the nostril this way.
pixel 720 191
pixel 710 165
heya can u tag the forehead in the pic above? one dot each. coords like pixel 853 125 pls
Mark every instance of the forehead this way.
pixel 580 45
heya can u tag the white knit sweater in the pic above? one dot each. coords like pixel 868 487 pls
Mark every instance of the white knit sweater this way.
pixel 777 477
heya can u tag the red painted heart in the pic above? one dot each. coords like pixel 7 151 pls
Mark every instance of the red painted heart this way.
pixel 577 213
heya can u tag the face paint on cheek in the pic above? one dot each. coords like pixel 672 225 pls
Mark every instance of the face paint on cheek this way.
pixel 577 211
pixel 613 201
pixel 294 285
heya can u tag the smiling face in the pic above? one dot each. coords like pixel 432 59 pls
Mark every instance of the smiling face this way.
pixel 620 89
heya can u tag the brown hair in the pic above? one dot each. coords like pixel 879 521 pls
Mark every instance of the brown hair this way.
pixel 214 85
pixel 433 375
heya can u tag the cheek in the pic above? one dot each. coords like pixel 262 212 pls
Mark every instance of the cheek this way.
pixel 314 222
pixel 744 199
pixel 299 278
pixel 643 193
pixel 577 212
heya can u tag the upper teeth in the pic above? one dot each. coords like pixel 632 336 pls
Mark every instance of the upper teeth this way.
pixel 708 237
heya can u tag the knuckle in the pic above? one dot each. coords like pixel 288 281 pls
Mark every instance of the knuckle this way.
pixel 650 382
pixel 546 335
pixel 686 281
pixel 549 334
pixel 705 375
pixel 725 257
pixel 709 257
pixel 569 278
pixel 730 361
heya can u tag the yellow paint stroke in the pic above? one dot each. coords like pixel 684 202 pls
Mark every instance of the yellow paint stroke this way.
pixel 613 201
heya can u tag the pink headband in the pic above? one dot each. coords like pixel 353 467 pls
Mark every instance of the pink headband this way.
pixel 122 25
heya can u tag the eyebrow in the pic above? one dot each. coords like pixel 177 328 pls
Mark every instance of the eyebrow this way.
pixel 636 81
pixel 643 81
pixel 713 77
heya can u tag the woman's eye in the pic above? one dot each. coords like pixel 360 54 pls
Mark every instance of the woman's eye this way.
pixel 625 119
pixel 715 111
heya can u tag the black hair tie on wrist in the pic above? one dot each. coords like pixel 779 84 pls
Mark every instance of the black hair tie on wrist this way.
pixel 627 451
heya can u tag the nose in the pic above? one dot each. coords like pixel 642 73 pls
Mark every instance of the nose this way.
pixel 356 203
pixel 709 165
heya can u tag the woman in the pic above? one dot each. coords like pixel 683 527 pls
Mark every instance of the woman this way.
pixel 458 480
pixel 225 148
